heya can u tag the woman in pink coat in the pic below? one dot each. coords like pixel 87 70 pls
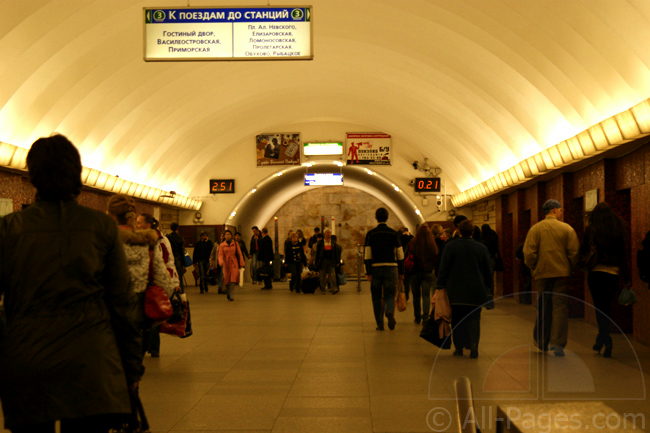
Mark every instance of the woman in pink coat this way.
pixel 230 259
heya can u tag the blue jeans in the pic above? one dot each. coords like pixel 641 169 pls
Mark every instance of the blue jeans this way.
pixel 421 283
pixel 254 267
pixel 382 288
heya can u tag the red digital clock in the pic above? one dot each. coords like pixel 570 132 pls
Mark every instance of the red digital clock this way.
pixel 222 186
pixel 427 184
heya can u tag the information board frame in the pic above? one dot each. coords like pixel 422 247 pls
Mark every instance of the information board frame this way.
pixel 187 32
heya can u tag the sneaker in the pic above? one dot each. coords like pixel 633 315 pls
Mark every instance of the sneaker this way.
pixel 391 320
pixel 335 291
pixel 557 351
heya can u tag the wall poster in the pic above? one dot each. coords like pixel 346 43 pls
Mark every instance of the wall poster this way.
pixel 368 149
pixel 278 149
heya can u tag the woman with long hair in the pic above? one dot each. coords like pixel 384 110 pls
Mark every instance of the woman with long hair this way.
pixel 438 234
pixel 605 232
pixel 425 252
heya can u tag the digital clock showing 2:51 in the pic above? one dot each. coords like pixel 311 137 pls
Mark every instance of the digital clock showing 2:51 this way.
pixel 222 186
pixel 427 184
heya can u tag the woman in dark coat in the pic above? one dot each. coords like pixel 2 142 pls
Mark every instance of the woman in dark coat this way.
pixel 606 232
pixel 466 273
pixel 71 347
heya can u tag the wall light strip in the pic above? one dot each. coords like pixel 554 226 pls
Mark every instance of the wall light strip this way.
pixel 621 128
pixel 16 158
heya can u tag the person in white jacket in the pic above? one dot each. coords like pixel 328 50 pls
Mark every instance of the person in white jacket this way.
pixel 147 222
pixel 137 244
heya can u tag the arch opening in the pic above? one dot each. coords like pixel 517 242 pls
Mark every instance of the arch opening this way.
pixel 260 204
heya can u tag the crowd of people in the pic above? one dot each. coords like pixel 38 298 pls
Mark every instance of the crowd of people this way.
pixel 74 282
pixel 458 263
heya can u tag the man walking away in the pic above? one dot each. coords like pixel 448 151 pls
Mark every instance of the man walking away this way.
pixel 201 258
pixel 266 256
pixel 550 251
pixel 254 251
pixel 384 260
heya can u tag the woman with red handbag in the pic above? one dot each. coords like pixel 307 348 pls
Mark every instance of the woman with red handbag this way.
pixel 144 259
pixel 146 221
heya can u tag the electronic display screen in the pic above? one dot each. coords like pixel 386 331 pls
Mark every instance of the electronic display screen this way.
pixel 427 184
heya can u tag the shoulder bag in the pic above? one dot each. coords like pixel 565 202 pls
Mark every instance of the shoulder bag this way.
pixel 157 306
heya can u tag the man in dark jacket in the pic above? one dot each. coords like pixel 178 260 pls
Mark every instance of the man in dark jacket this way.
pixel 201 258
pixel 265 256
pixel 71 347
pixel 254 252
pixel 314 238
pixel 178 250
pixel 384 260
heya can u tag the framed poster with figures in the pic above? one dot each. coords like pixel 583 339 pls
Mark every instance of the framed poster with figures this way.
pixel 368 149
pixel 277 149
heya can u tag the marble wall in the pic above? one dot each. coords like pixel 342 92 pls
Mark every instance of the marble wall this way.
pixel 353 211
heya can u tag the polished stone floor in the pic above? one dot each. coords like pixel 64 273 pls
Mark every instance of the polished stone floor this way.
pixel 274 361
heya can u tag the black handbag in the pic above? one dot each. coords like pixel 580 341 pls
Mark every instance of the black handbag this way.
pixel 265 271
pixel 430 332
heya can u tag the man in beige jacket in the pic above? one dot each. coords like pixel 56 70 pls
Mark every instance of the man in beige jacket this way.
pixel 550 251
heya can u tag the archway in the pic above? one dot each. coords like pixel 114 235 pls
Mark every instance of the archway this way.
pixel 260 204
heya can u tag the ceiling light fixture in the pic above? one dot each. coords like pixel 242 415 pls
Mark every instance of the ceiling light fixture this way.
pixel 619 129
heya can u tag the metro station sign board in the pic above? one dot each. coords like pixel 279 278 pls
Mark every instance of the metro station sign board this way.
pixel 261 33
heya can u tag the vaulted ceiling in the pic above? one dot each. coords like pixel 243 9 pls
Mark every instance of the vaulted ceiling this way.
pixel 474 85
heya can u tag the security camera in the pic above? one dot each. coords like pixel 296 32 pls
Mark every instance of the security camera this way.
pixel 439 203
pixel 416 165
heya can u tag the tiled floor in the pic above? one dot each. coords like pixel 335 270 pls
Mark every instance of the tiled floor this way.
pixel 274 361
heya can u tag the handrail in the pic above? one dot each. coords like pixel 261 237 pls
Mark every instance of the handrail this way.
pixel 465 406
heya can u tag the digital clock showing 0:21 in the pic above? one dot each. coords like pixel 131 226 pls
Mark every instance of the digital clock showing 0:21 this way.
pixel 222 186
pixel 427 184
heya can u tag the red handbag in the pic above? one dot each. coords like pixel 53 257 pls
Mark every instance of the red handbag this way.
pixel 157 305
